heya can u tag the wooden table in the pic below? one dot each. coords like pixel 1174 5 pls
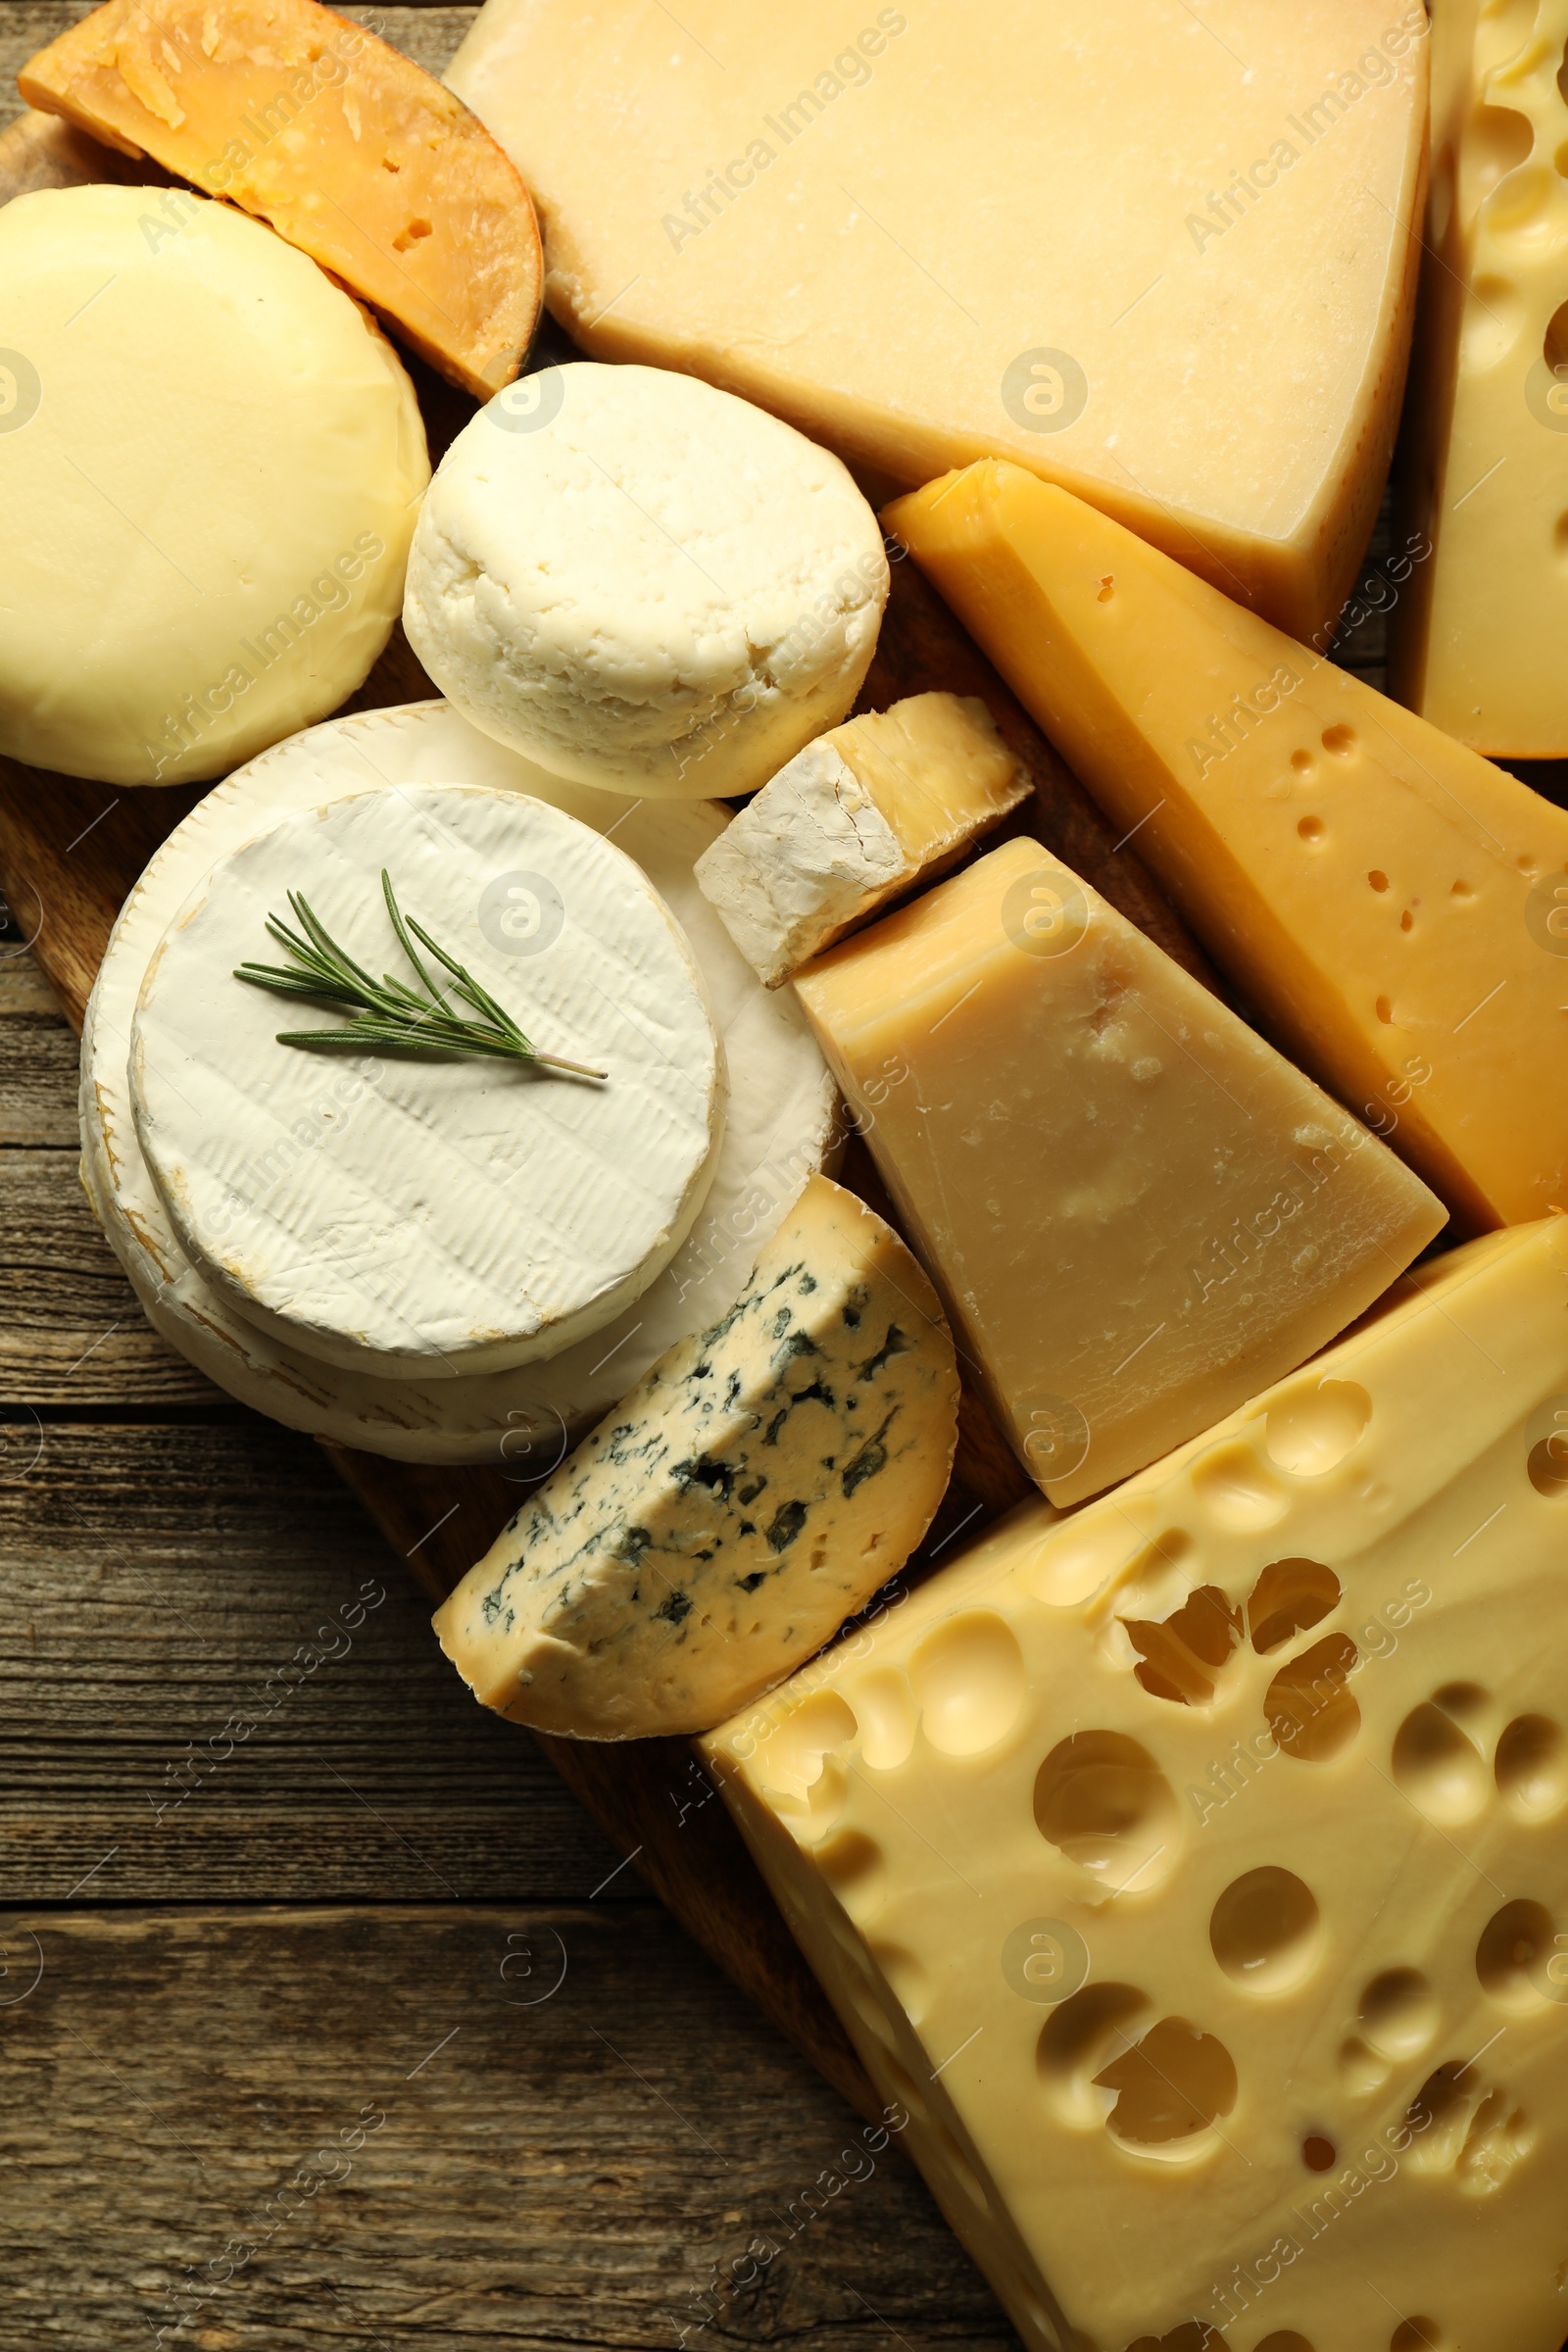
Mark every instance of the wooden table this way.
pixel 364 2037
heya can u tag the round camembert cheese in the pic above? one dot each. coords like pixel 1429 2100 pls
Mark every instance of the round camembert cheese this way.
pixel 779 1125
pixel 438 1214
pixel 209 459
pixel 645 583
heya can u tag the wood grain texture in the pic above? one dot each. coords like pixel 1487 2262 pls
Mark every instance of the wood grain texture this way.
pixel 504 2125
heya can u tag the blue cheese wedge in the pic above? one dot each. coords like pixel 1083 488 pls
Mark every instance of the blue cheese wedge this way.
pixel 754 1491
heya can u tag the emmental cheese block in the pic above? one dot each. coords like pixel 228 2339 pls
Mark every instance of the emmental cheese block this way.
pixel 1476 638
pixel 348 149
pixel 1075 232
pixel 1138 1211
pixel 1394 907
pixel 865 813
pixel 1194 1869
pixel 764 1480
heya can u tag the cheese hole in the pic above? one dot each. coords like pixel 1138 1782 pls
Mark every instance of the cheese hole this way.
pixel 1530 1768
pixel 885 1709
pixel 1492 323
pixel 911 1986
pixel 1518 1949
pixel 1317 2153
pixel 1340 740
pixel 1554 343
pixel 1417 2335
pixel 1266 1931
pixel 969 1684
pixel 794 1763
pixel 1101 1800
pixel 1521 206
pixel 1309 1431
pixel 1437 1767
pixel 1236 1489
pixel 1284 2339
pixel 1070 1564
pixel 1462 890
pixel 1080 2038
pixel 1288 1597
pixel 413 235
pixel 1385 1010
pixel 1309 1711
pixel 1361 2071
pixel 1180 1658
pixel 1302 761
pixel 1191 2336
pixel 1407 920
pixel 1171 2086
pixel 1548 1466
pixel 854 1868
pixel 1399 2014
pixel 905 2088
pixel 1108 589
pixel 1378 880
pixel 1310 828
pixel 870 2013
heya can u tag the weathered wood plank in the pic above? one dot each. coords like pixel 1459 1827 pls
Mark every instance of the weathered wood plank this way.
pixel 332 2128
pixel 71 1331
pixel 164 1588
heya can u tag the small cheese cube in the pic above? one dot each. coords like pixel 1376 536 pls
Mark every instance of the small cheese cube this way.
pixel 1394 907
pixel 864 812
pixel 1138 1211
pixel 753 1492
pixel 1479 589
pixel 1192 1870
pixel 347 148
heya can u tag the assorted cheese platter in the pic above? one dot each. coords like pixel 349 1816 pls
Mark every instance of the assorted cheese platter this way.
pixel 758 1182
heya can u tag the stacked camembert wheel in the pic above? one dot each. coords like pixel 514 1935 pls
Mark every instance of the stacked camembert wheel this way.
pixel 1187 1853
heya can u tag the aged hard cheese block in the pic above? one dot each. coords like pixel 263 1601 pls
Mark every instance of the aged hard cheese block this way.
pixel 1194 1869
pixel 1477 637
pixel 924 235
pixel 888 800
pixel 454 1215
pixel 213 557
pixel 351 151
pixel 751 1493
pixel 1394 907
pixel 779 1125
pixel 1138 1212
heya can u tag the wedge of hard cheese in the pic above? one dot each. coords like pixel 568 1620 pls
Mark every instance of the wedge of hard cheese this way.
pixel 1073 231
pixel 348 149
pixel 1476 638
pixel 1194 1869
pixel 1394 907
pixel 753 1492
pixel 1138 1211
pixel 861 817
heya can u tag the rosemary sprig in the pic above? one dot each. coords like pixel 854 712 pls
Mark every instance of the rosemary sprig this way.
pixel 387 1011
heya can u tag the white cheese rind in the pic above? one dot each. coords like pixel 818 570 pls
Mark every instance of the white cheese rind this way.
pixel 457 1215
pixel 780 1124
pixel 644 583
pixel 211 555
pixel 756 1487
pixel 890 800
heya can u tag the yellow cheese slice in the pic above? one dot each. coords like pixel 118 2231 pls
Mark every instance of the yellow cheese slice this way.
pixel 1394 907
pixel 349 150
pixel 1192 1873
pixel 1140 1213
pixel 1478 636
pixel 1078 232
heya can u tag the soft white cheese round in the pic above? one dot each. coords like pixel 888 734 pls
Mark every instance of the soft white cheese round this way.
pixel 643 582
pixel 210 457
pixel 398 1212
pixel 779 1125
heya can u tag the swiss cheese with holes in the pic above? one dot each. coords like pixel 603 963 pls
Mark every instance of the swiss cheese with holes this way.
pixel 1194 1869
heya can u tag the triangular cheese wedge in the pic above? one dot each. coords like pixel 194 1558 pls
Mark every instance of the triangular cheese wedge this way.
pixel 1191 1875
pixel 1394 907
pixel 1073 231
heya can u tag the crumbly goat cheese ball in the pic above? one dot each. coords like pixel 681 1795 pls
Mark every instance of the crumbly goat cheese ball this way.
pixel 645 583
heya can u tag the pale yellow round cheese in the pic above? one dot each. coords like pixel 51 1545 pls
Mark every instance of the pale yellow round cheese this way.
pixel 210 463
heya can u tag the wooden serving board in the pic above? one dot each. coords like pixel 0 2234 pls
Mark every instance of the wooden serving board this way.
pixel 70 853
